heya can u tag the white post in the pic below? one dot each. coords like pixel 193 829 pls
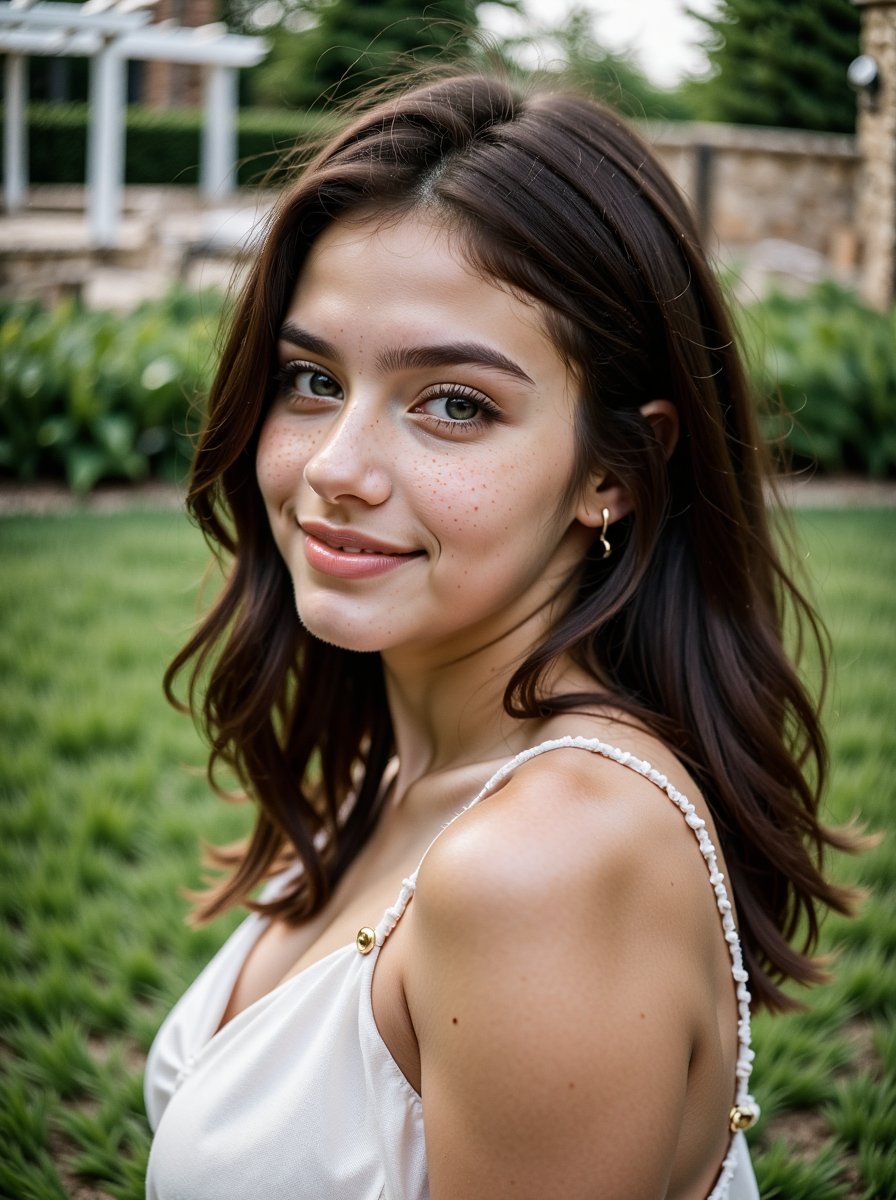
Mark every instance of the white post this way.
pixel 105 146
pixel 217 170
pixel 15 132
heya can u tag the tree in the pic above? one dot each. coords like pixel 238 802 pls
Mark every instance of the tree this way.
pixel 348 44
pixel 780 62
pixel 613 76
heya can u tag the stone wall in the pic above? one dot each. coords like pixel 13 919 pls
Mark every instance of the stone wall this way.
pixel 752 187
pixel 877 139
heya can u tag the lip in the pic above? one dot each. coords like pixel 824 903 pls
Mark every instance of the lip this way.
pixel 349 553
pixel 336 536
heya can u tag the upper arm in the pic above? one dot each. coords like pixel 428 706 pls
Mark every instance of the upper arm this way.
pixel 546 987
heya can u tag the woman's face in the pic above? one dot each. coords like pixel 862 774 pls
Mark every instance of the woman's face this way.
pixel 416 456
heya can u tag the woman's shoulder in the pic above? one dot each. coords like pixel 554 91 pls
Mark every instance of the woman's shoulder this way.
pixel 574 830
pixel 559 967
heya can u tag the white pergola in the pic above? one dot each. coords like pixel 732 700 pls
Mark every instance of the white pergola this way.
pixel 109 34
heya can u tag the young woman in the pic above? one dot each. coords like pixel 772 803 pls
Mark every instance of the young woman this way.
pixel 499 658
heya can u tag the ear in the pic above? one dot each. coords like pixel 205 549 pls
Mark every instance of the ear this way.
pixel 662 416
pixel 605 491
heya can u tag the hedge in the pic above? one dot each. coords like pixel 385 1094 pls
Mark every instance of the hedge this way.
pixel 87 396
pixel 161 145
pixel 824 369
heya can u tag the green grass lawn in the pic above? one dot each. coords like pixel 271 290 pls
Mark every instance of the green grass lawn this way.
pixel 102 802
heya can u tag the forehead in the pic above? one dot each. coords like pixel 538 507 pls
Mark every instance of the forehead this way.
pixel 415 270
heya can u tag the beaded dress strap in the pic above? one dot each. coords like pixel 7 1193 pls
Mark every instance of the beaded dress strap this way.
pixel 745 1111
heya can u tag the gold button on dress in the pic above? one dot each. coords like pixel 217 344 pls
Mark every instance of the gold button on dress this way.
pixel 366 940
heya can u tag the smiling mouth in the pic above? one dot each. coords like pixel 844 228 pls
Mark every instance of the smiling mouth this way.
pixel 351 556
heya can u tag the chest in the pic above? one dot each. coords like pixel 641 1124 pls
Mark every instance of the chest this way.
pixel 369 887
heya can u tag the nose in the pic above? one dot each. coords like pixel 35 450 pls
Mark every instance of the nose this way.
pixel 349 462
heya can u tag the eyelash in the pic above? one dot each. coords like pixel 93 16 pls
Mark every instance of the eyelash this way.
pixel 284 377
pixel 488 411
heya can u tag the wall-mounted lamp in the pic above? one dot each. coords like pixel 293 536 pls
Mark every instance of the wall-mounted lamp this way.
pixel 863 74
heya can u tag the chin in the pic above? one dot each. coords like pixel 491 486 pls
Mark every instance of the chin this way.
pixel 341 641
pixel 345 633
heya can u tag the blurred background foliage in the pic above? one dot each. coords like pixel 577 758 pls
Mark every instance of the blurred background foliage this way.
pixel 87 396
pixel 162 145
pixel 325 50
pixel 824 371
pixel 772 62
pixel 778 62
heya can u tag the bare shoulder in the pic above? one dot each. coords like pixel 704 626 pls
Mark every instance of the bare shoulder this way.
pixel 556 976
pixel 572 828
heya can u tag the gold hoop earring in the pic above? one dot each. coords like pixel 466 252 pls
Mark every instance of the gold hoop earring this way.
pixel 603 534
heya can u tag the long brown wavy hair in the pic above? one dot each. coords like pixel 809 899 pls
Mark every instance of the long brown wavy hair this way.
pixel 682 628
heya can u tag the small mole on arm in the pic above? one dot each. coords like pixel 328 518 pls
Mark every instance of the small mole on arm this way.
pixel 454 1020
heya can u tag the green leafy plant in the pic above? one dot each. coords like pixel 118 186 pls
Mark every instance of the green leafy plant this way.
pixel 90 395
pixel 825 369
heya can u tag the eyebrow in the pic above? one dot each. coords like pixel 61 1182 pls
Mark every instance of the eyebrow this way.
pixel 414 357
pixel 296 336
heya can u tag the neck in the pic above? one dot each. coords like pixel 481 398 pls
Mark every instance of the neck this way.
pixel 448 709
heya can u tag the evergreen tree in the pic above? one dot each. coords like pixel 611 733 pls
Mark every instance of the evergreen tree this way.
pixel 613 76
pixel 780 62
pixel 353 43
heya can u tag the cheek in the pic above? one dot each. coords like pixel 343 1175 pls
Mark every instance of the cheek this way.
pixel 463 496
pixel 283 451
pixel 492 496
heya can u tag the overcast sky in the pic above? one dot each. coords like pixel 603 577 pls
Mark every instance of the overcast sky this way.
pixel 660 32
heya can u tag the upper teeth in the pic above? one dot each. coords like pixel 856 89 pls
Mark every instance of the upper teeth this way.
pixel 355 550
